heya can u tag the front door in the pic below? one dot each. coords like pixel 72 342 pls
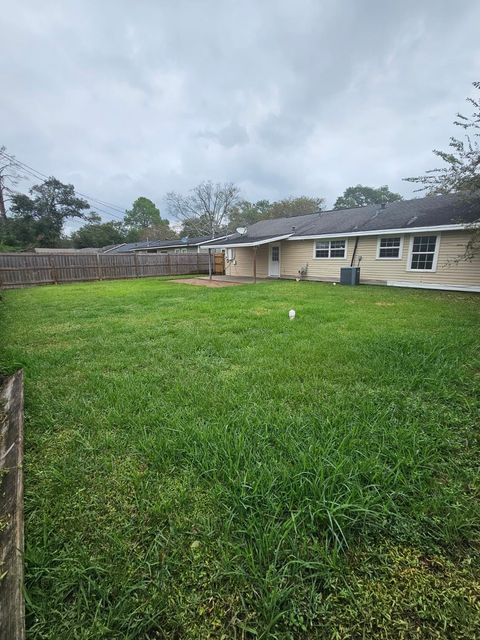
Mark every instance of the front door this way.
pixel 274 261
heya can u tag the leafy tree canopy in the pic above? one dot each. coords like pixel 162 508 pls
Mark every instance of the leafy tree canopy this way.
pixel 161 231
pixel 460 172
pixel 246 213
pixel 143 221
pixel 289 207
pixel 143 214
pixel 98 234
pixel 361 196
pixel 38 219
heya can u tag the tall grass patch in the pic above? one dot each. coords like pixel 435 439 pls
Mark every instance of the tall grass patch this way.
pixel 197 465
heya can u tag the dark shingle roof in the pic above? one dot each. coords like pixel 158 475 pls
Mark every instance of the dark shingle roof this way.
pixel 156 244
pixel 404 214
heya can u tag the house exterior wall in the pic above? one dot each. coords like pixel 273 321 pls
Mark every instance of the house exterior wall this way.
pixel 242 264
pixel 449 270
pixel 295 254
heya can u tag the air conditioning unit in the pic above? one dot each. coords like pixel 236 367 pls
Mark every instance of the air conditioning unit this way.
pixel 350 275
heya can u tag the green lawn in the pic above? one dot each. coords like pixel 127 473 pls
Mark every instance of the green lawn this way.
pixel 198 466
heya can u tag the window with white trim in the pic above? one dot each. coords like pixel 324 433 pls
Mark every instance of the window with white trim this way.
pixel 422 256
pixel 390 247
pixel 330 248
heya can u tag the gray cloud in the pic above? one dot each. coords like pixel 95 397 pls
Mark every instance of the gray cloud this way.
pixel 284 98
pixel 230 135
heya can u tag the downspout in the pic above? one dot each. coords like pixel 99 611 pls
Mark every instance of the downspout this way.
pixel 354 251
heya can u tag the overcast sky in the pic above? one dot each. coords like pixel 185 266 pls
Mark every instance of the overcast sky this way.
pixel 124 99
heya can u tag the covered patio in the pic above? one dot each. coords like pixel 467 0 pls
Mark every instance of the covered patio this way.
pixel 267 248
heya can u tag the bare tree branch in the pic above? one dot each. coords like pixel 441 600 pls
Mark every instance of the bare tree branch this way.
pixel 9 178
pixel 207 207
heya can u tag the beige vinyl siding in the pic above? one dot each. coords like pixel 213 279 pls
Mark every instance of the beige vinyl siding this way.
pixel 452 245
pixel 448 271
pixel 295 254
pixel 244 262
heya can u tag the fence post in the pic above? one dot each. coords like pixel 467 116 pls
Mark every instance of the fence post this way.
pixel 99 267
pixel 12 603
pixel 53 272
pixel 135 256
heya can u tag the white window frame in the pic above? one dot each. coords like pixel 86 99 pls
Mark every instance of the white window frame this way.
pixel 400 249
pixel 330 240
pixel 435 255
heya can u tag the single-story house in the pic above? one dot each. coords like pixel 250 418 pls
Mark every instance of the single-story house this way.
pixel 183 245
pixel 69 250
pixel 410 243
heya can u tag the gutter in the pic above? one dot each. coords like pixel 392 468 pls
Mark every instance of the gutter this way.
pixel 254 243
pixel 377 232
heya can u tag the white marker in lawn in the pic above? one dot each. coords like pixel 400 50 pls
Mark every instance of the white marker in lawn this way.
pixel 291 314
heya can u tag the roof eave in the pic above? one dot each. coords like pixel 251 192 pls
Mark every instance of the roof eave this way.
pixel 376 232
pixel 239 245
pixel 115 248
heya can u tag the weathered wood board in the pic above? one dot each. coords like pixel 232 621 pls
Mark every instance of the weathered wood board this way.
pixel 12 606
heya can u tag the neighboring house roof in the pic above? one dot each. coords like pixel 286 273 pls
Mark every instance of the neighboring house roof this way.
pixel 434 212
pixel 68 250
pixel 128 247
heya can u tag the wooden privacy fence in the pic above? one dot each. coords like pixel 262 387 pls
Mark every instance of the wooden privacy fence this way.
pixel 218 261
pixel 25 269
pixel 12 614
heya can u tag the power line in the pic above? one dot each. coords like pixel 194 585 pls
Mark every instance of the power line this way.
pixel 42 175
pixel 38 175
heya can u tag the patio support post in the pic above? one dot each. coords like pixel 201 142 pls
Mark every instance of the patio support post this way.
pixel 209 264
pixel 254 265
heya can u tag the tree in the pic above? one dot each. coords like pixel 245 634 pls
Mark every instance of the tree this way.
pixel 38 219
pixel 190 228
pixel 98 234
pixel 9 178
pixel 142 215
pixel 246 213
pixel 162 231
pixel 206 210
pixel 461 170
pixel 290 207
pixel 143 221
pixel 361 196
